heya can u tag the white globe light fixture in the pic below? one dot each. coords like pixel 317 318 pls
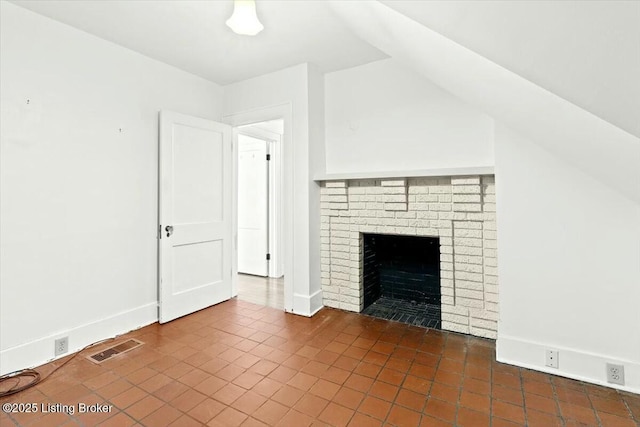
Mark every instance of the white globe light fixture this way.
pixel 244 20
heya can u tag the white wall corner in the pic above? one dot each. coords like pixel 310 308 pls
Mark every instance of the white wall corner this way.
pixel 307 305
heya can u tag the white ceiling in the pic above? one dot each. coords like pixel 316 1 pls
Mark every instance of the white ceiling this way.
pixel 192 35
pixel 587 52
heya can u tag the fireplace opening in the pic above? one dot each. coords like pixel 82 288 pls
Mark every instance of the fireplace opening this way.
pixel 401 279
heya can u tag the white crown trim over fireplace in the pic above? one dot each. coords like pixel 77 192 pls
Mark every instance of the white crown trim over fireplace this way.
pixel 442 172
pixel 459 210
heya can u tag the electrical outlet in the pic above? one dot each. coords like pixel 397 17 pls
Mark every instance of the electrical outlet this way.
pixel 615 374
pixel 61 346
pixel 551 358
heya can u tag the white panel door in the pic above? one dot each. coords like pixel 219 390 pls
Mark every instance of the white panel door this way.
pixel 194 214
pixel 253 196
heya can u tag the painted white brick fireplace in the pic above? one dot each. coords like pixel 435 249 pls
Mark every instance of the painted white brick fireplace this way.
pixel 459 210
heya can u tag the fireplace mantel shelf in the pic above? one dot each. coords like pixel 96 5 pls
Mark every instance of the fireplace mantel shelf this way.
pixel 478 170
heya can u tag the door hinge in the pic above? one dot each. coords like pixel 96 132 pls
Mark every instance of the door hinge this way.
pixel 159 231
pixel 268 157
pixel 268 257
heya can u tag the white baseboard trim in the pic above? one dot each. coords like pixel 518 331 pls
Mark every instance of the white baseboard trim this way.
pixel 574 364
pixel 40 351
pixel 307 305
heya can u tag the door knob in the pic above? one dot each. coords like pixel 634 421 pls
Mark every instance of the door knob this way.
pixel 169 230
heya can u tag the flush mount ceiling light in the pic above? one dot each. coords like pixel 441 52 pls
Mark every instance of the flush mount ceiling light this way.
pixel 244 19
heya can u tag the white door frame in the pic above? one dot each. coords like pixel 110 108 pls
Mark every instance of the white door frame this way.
pixel 284 112
pixel 274 144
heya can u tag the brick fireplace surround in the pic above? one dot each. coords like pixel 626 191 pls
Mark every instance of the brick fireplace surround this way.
pixel 460 210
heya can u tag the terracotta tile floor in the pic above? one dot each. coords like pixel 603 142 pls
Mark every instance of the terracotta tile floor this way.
pixel 243 364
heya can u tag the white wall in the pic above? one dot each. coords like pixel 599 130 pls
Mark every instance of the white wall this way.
pixel 317 164
pixel 569 265
pixel 382 116
pixel 79 197
pixel 285 94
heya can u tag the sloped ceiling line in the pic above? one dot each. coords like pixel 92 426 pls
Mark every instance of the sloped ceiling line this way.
pixel 595 146
pixel 585 51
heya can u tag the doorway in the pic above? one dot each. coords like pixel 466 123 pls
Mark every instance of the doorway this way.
pixel 259 213
pixel 195 214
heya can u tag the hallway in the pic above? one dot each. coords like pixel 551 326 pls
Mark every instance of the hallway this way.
pixel 261 290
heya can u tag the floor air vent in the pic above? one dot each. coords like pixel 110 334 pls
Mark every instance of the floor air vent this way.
pixel 115 350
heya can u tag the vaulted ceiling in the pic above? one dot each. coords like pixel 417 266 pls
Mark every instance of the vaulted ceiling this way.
pixel 587 52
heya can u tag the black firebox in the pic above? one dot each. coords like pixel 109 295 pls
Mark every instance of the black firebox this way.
pixel 401 278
